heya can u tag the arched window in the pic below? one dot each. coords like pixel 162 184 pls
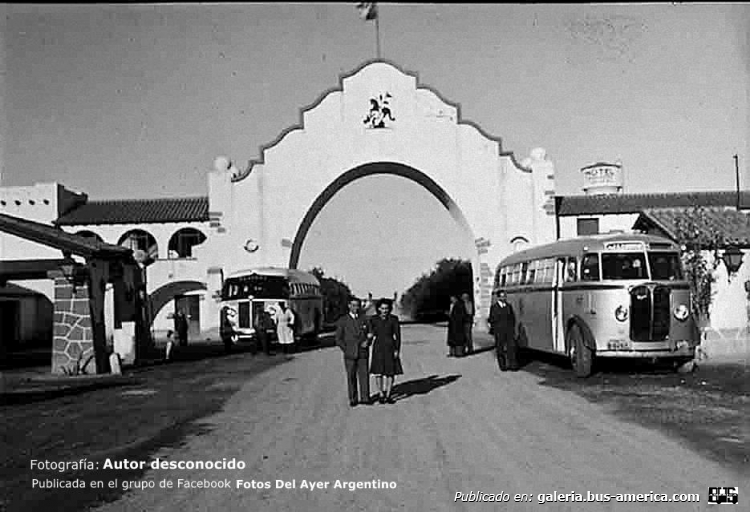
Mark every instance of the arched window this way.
pixel 138 239
pixel 519 243
pixel 90 234
pixel 182 242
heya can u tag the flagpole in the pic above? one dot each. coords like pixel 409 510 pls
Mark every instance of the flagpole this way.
pixel 377 33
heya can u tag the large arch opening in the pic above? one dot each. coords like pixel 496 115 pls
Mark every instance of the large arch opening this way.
pixel 390 210
pixel 391 168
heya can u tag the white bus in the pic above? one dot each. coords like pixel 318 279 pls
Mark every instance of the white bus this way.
pixel 613 295
pixel 245 294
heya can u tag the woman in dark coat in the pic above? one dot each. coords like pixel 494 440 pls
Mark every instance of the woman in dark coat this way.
pixel 456 331
pixel 386 348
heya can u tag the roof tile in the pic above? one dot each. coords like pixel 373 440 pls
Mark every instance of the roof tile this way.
pixel 734 226
pixel 635 203
pixel 138 211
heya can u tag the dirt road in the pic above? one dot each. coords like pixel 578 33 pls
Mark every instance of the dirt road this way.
pixel 460 426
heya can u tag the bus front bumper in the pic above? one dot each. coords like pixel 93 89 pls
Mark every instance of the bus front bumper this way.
pixel 658 349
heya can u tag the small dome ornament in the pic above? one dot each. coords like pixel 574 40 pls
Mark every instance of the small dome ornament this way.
pixel 222 164
pixel 251 246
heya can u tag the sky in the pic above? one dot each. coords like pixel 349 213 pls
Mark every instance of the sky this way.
pixel 136 101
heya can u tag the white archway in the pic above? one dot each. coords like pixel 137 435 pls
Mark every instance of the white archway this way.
pixel 380 120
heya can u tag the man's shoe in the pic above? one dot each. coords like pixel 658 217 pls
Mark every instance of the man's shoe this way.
pixel 381 399
pixel 353 403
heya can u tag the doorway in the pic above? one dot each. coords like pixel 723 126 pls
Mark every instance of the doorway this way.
pixel 190 304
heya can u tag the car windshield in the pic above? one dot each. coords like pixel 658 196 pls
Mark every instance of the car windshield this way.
pixel 665 266
pixel 624 265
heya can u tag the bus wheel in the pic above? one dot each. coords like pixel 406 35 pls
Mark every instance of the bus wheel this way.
pixel 581 356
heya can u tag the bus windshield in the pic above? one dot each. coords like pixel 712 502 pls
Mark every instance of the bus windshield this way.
pixel 665 266
pixel 624 265
pixel 258 286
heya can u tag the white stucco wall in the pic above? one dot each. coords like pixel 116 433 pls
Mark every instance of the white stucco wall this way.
pixel 165 270
pixel 610 222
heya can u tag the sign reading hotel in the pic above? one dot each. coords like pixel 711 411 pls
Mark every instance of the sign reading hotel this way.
pixel 602 178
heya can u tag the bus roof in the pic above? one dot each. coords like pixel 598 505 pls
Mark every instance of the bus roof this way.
pixel 294 275
pixel 576 246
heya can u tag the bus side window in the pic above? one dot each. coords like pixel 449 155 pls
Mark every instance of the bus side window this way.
pixel 559 276
pixel 548 270
pixel 570 270
pixel 531 276
pixel 590 267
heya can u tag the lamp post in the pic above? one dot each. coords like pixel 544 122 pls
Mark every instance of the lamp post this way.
pixel 732 258
pixel 737 177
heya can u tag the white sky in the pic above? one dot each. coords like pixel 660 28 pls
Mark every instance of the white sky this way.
pixel 126 101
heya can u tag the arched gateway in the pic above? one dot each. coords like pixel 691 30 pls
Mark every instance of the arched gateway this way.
pixel 380 120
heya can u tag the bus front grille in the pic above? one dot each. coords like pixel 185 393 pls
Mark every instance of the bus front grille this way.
pixel 244 315
pixel 649 313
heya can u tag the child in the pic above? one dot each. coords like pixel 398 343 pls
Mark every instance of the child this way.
pixel 170 344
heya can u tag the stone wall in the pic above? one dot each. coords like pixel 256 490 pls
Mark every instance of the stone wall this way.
pixel 73 344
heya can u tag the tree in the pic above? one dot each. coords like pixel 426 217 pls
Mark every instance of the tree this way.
pixel 336 295
pixel 696 236
pixel 429 297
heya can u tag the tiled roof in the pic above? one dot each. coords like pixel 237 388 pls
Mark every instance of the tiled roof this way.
pixel 734 226
pixel 57 238
pixel 635 203
pixel 138 211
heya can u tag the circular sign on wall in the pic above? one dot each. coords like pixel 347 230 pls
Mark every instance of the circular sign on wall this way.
pixel 251 245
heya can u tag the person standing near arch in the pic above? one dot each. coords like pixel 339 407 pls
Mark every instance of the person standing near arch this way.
pixel 181 328
pixel 456 332
pixel 468 322
pixel 285 327
pixel 352 337
pixel 386 349
pixel 502 321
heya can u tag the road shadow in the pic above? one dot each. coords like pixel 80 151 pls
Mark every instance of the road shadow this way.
pixel 422 386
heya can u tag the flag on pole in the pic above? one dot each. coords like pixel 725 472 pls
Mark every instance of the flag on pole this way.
pixel 368 10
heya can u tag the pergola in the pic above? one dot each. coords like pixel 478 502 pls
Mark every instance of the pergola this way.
pixel 79 320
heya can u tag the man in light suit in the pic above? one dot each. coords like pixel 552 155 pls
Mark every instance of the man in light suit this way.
pixel 352 339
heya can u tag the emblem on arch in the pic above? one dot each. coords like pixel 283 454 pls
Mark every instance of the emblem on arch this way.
pixel 380 114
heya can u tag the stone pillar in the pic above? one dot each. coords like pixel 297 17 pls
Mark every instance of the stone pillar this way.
pixel 73 343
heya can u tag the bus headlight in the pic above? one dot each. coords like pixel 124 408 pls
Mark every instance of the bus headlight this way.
pixel 681 312
pixel 621 313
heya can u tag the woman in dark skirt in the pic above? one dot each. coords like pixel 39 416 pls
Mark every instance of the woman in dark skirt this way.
pixel 386 349
pixel 456 330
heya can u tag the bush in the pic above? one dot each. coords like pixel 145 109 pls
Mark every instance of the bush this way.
pixel 336 295
pixel 428 299
pixel 695 234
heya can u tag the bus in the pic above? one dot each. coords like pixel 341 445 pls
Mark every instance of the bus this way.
pixel 614 295
pixel 247 293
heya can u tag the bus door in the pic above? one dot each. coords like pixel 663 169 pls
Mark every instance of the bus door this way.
pixel 558 326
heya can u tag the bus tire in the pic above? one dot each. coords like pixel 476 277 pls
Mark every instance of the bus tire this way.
pixel 581 356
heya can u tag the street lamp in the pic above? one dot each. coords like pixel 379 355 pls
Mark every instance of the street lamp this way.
pixel 732 259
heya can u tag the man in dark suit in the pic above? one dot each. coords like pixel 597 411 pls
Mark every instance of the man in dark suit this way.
pixel 502 321
pixel 352 339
